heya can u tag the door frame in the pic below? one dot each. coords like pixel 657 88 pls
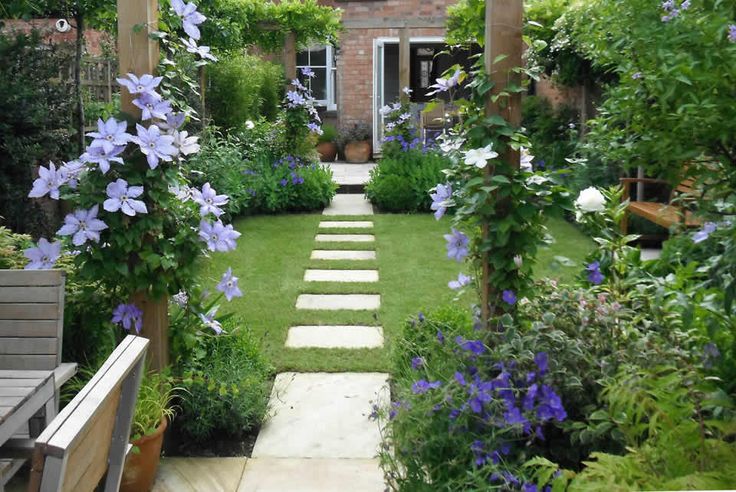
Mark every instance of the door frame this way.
pixel 379 101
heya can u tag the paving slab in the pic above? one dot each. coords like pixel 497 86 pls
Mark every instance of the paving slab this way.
pixel 199 474
pixel 345 238
pixel 336 302
pixel 650 253
pixel 312 475
pixel 351 337
pixel 349 204
pixel 323 415
pixel 346 224
pixel 342 255
pixel 341 276
pixel 350 174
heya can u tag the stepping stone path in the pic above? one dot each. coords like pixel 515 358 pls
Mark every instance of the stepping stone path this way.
pixel 319 437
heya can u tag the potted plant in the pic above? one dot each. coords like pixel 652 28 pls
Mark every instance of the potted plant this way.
pixel 153 410
pixel 327 143
pixel 358 148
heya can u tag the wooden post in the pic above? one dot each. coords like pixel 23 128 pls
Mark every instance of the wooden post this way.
pixel 404 64
pixel 502 37
pixel 290 58
pixel 138 54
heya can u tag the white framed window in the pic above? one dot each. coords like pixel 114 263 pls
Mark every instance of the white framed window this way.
pixel 321 60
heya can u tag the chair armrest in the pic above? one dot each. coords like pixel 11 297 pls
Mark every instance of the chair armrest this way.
pixel 64 373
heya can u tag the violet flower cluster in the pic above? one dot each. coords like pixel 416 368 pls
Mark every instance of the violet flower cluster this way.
pixel 300 97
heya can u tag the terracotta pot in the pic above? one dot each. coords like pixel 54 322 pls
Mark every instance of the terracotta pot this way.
pixel 327 151
pixel 358 152
pixel 140 468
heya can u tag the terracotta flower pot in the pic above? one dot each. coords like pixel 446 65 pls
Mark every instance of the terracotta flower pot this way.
pixel 140 468
pixel 358 152
pixel 327 151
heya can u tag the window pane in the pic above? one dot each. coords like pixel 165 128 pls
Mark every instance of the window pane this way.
pixel 319 84
pixel 302 58
pixel 319 57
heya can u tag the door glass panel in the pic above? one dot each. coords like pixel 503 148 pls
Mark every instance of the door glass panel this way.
pixel 302 58
pixel 318 57
pixel 319 84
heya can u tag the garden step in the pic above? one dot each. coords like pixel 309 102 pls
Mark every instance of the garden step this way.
pixel 345 174
pixel 345 238
pixel 336 302
pixel 312 475
pixel 341 276
pixel 349 204
pixel 342 255
pixel 198 474
pixel 346 224
pixel 322 415
pixel 351 337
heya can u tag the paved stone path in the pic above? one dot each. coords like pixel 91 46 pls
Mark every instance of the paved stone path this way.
pixel 350 174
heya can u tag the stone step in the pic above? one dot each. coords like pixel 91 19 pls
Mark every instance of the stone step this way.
pixel 342 255
pixel 323 415
pixel 312 475
pixel 341 276
pixel 349 204
pixel 336 302
pixel 345 238
pixel 323 336
pixel 198 474
pixel 346 224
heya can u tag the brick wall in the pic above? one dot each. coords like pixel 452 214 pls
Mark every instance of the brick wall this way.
pixel 362 9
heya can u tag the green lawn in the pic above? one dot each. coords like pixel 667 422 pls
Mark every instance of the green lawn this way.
pixel 274 251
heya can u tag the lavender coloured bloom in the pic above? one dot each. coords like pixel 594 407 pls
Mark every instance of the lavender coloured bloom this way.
pixel 128 316
pixel 732 33
pixel 710 354
pixel 43 256
pixel 550 406
pixel 462 281
pixel 422 386
pixel 529 487
pixel 595 276
pixel 174 121
pixel 154 145
pixel 83 225
pixel 295 99
pixel 229 285
pixel 542 361
pixel 209 201
pixel 705 232
pixel 210 321
pixel 180 299
pixel 146 84
pixel 121 197
pixel 417 362
pixel 460 378
pixel 530 397
pixel 307 72
pixel 70 172
pixel 457 245
pixel 203 51
pixel 110 134
pixel 513 416
pixel 189 16
pixel 49 180
pixel 315 128
pixel 152 107
pixel 284 182
pixel 636 76
pixel 440 199
pixel 103 159
pixel 474 346
pixel 509 297
pixel 184 144
pixel 440 336
pixel 218 236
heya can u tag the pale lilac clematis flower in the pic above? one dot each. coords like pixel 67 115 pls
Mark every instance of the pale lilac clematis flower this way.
pixel 43 256
pixel 154 145
pixel 49 180
pixel 315 128
pixel 128 316
pixel 103 159
pixel 183 192
pixel 210 321
pixel 152 107
pixel 480 157
pixel 83 225
pixel 229 285
pixel 184 144
pixel 120 197
pixel 732 33
pixel 444 85
pixel 190 17
pixel 203 51
pixel 457 245
pixel 462 281
pixel 441 199
pixel 110 134
pixel 708 229
pixel 218 236
pixel 173 122
pixel 308 72
pixel 70 171
pixel 146 84
pixel 208 200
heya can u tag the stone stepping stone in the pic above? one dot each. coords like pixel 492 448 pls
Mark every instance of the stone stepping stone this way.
pixel 342 255
pixel 341 276
pixel 312 475
pixel 336 302
pixel 351 337
pixel 345 238
pixel 346 224
pixel 322 415
pixel 198 474
pixel 349 204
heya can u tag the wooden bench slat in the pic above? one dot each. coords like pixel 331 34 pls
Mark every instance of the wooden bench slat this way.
pixel 25 278
pixel 30 346
pixel 20 382
pixel 29 311
pixel 29 294
pixel 29 362
pixel 661 214
pixel 26 328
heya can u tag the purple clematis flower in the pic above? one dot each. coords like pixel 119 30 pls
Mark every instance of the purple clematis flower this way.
pixel 83 225
pixel 208 200
pixel 110 134
pixel 229 285
pixel 103 159
pixel 440 199
pixel 146 84
pixel 128 316
pixel 295 99
pixel 457 245
pixel 307 72
pixel 190 17
pixel 218 236
pixel 203 51
pixel 49 180
pixel 509 297
pixel 210 321
pixel 462 281
pixel 43 256
pixel 120 197
pixel 152 107
pixel 174 121
pixel 703 234
pixel 154 145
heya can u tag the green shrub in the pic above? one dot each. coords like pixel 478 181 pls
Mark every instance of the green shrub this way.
pixel 241 88
pixel 329 134
pixel 11 249
pixel 401 183
pixel 552 139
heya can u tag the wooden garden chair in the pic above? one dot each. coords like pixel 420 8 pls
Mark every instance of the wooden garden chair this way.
pixel 663 214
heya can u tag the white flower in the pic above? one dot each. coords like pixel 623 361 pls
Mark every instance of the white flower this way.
pixel 407 91
pixel 250 125
pixel 526 160
pixel 480 157
pixel 450 144
pixel 536 179
pixel 590 200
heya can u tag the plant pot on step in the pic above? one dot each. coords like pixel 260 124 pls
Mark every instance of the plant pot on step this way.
pixel 327 151
pixel 140 468
pixel 358 152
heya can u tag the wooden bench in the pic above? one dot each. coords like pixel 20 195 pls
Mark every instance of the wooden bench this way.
pixel 663 214
pixel 89 438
